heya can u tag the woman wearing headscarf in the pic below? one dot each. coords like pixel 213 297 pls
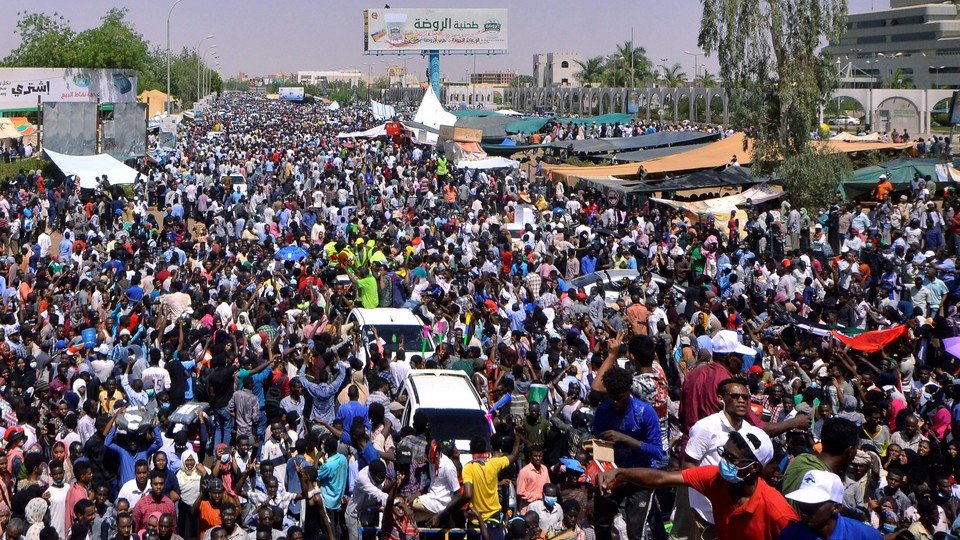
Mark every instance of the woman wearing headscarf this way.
pixel 355 380
pixel 189 476
pixel 171 487
pixel 35 513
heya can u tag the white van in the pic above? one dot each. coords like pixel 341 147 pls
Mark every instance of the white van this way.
pixel 451 403
pixel 393 326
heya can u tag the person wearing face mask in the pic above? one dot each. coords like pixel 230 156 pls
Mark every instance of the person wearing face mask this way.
pixel 549 512
pixel 820 501
pixel 56 496
pixel 744 506
pixel 706 441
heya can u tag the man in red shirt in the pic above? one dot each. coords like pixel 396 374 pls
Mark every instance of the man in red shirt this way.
pixel 155 501
pixel 744 506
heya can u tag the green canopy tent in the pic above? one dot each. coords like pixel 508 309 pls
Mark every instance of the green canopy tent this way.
pixel 899 171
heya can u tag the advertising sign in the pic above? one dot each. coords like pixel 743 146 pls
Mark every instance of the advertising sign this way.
pixel 20 87
pixel 291 93
pixel 441 29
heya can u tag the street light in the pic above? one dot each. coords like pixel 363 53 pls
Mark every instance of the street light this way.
pixel 204 57
pixel 696 64
pixel 168 53
pixel 211 36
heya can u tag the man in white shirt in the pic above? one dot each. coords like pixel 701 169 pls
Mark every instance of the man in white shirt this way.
pixel 367 493
pixel 444 485
pixel 134 489
pixel 708 436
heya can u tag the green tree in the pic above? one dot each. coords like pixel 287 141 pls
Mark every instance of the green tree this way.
pixel 898 80
pixel 44 41
pixel 591 71
pixel 115 44
pixel 522 81
pixel 776 75
pixel 633 60
pixel 706 80
pixel 675 77
pixel 822 172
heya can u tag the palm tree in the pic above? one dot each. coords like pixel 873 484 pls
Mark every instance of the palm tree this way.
pixel 707 80
pixel 674 77
pixel 591 71
pixel 634 63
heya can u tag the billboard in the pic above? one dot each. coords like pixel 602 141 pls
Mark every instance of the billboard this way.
pixel 291 93
pixel 70 128
pixel 21 87
pixel 440 29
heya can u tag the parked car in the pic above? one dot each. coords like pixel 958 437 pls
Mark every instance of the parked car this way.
pixel 843 121
pixel 614 282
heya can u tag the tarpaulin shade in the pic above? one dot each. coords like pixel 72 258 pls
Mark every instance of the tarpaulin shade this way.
pixel 653 140
pixel 724 205
pixel 88 168
pixel 730 177
pixel 870 342
pixel 489 163
pixel 869 137
pixel 710 156
pixel 637 156
pixel 375 131
pixel 899 172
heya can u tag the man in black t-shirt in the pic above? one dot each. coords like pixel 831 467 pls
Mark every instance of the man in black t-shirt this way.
pixel 220 389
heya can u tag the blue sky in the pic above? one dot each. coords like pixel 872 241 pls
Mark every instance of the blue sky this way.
pixel 261 37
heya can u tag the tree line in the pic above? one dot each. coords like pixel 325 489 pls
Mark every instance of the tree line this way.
pixel 48 40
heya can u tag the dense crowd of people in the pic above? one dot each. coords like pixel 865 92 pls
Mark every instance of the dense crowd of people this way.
pixel 177 361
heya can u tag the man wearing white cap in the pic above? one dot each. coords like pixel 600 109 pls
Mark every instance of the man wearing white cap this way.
pixel 699 399
pixel 819 500
pixel 744 506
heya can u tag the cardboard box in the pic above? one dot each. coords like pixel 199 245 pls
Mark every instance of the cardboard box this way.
pixel 450 133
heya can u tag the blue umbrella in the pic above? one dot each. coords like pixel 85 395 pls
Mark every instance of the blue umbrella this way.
pixel 291 253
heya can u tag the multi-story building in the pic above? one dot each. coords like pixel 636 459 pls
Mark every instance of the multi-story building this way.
pixel 915 42
pixel 493 77
pixel 555 69
pixel 316 78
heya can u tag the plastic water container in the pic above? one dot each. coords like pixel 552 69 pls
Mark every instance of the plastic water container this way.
pixel 89 337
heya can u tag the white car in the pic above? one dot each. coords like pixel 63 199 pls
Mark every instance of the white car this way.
pixel 843 121
pixel 393 327
pixel 452 405
pixel 614 282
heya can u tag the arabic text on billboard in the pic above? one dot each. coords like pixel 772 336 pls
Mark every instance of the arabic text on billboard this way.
pixel 291 93
pixel 20 87
pixel 443 29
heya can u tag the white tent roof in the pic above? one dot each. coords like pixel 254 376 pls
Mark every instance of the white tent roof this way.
pixel 431 112
pixel 372 132
pixel 489 163
pixel 88 168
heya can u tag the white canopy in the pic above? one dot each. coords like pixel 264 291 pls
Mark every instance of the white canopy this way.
pixel 382 111
pixel 333 106
pixel 489 163
pixel 370 133
pixel 88 168
pixel 431 114
pixel 510 112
